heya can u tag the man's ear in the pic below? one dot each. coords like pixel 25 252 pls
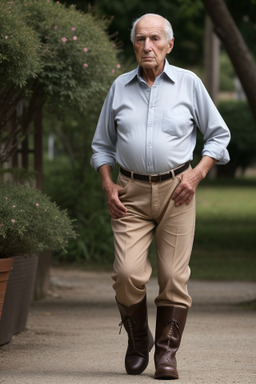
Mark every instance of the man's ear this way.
pixel 171 44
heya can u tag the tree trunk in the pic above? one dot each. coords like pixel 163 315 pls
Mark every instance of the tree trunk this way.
pixel 235 46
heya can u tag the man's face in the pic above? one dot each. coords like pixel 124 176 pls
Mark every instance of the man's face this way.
pixel 150 44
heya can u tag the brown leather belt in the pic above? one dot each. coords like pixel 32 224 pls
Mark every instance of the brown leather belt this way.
pixel 155 178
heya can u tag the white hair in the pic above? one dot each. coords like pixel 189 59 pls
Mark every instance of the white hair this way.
pixel 167 27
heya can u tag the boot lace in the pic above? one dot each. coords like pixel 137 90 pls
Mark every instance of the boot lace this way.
pixel 174 325
pixel 128 324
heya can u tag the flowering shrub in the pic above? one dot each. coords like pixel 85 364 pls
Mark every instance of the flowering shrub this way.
pixel 30 222
pixel 19 50
pixel 50 55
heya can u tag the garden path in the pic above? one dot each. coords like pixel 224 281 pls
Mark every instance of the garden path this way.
pixel 73 335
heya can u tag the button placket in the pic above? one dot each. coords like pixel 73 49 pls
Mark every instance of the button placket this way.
pixel 149 136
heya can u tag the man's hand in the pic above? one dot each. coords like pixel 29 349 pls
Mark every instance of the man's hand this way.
pixel 189 181
pixel 116 208
pixel 187 187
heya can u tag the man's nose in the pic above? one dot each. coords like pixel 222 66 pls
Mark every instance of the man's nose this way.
pixel 147 45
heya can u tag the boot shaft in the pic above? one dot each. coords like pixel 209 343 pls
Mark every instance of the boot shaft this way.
pixel 170 325
pixel 134 316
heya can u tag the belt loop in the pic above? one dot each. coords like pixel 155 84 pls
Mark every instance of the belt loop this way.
pixel 172 173
pixel 132 177
pixel 149 179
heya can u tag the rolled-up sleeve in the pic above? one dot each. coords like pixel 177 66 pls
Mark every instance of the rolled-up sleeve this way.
pixel 104 140
pixel 209 121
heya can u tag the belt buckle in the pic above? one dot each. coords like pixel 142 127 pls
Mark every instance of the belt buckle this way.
pixel 154 178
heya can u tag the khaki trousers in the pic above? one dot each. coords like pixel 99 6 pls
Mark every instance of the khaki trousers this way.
pixel 151 211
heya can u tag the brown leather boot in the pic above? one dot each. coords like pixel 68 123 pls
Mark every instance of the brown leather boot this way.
pixel 140 339
pixel 170 324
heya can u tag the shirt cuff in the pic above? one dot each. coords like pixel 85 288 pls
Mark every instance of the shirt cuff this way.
pixel 97 160
pixel 216 152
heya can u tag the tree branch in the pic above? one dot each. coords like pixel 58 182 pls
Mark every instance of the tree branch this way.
pixel 235 46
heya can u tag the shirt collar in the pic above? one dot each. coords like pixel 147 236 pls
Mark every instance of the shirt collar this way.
pixel 169 72
pixel 136 73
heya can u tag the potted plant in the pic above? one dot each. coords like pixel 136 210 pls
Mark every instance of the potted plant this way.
pixel 5 269
pixel 30 223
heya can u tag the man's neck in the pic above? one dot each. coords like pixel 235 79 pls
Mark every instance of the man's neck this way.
pixel 150 74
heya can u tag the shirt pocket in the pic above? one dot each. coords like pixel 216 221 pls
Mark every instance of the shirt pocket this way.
pixel 176 123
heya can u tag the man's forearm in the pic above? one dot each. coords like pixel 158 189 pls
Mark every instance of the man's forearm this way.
pixel 105 174
pixel 204 166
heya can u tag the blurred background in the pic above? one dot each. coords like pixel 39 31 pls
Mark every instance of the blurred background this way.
pixel 50 106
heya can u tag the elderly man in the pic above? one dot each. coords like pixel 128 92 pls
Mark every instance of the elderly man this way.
pixel 148 126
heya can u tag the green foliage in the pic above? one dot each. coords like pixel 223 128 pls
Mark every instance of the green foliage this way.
pixel 19 47
pixel 53 55
pixel 30 222
pixel 186 17
pixel 77 56
pixel 84 201
pixel 244 15
pixel 238 117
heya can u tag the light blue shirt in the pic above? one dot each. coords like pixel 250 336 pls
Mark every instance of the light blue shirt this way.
pixel 153 130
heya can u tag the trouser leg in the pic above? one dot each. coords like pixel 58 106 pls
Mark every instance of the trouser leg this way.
pixel 131 268
pixel 174 241
pixel 132 237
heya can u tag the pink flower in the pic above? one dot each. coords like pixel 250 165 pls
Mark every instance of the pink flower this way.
pixel 37 205
pixel 113 71
pixel 6 198
pixel 85 65
pixel 55 27
pixel 85 49
pixel 14 206
pixel 73 29
pixel 13 220
pixel 6 37
pixel 64 39
pixel 74 37
pixel 118 66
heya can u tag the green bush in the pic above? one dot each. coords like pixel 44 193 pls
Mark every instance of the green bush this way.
pixel 50 55
pixel 19 48
pixel 77 56
pixel 30 222
pixel 85 202
pixel 239 119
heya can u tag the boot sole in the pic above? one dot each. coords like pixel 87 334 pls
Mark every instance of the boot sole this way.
pixel 165 377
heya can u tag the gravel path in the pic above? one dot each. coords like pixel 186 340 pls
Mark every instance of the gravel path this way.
pixel 73 335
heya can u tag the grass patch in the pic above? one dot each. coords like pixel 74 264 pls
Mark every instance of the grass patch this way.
pixel 225 239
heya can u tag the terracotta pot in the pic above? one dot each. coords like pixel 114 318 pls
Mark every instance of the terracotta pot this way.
pixel 5 268
pixel 18 297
